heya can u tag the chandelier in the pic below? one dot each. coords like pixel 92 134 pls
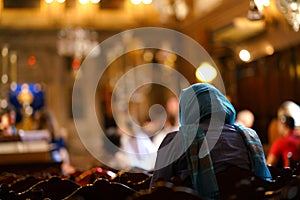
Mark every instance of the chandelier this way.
pixel 177 8
pixel 291 11
pixel 76 42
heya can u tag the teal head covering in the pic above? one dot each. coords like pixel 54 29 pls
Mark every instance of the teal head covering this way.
pixel 201 100
pixel 197 103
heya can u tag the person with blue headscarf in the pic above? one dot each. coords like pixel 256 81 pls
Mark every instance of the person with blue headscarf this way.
pixel 208 142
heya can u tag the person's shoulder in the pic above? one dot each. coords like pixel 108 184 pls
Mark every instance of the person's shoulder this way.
pixel 296 133
pixel 280 142
pixel 228 127
pixel 169 137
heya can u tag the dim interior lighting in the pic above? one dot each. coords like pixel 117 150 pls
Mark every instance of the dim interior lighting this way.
pixel 244 55
pixel 13 86
pixel 178 9
pixel 4 51
pixel 136 2
pixel 147 2
pixel 255 11
pixel 206 72
pixel 80 1
pixel 111 174
pixel 294 6
pixel 298 18
pixel 31 61
pixel 269 49
pixel 261 3
pixel 148 56
pixel 77 42
pixel 4 78
pixel 83 1
pixel 266 2
pixel 291 11
pixel 76 63
pixel 95 1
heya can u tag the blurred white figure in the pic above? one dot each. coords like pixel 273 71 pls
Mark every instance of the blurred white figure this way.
pixel 139 148
pixel 172 122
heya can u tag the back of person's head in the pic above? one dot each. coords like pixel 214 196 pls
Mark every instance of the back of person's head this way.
pixel 172 106
pixel 114 137
pixel 290 108
pixel 245 117
pixel 201 101
pixel 9 113
pixel 288 121
pixel 172 120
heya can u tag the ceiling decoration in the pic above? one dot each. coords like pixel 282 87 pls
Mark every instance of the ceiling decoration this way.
pixel 29 4
pixel 19 4
pixel 230 24
pixel 291 11
pixel 179 9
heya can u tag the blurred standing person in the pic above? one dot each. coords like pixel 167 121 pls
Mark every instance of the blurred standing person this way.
pixel 139 148
pixel 45 120
pixel 8 122
pixel 287 108
pixel 286 148
pixel 116 158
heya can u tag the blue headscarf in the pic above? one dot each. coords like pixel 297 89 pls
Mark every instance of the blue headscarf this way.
pixel 198 102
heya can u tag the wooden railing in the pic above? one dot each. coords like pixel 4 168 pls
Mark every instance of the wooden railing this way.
pixel 100 183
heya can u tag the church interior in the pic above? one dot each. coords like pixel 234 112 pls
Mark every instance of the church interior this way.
pixel 72 69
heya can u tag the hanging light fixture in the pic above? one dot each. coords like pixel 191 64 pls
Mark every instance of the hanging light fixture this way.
pixel 76 42
pixel 291 10
pixel 254 12
pixel 176 8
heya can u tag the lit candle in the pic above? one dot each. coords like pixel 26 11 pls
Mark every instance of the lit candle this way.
pixel 13 67
pixel 4 53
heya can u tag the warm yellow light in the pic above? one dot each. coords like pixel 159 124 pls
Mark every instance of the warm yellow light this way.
pixel 206 72
pixel 136 2
pixel 49 1
pixel 266 2
pixel 83 1
pixel 269 49
pixel 294 6
pixel 95 1
pixel 147 1
pixel 61 1
pixel 245 55
pixel 261 3
pixel 148 56
pixel 298 17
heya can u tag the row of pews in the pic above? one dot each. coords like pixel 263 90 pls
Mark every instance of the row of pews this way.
pixel 236 184
pixel 100 183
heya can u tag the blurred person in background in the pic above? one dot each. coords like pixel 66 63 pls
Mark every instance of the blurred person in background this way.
pixel 139 148
pixel 287 108
pixel 115 157
pixel 245 117
pixel 8 121
pixel 172 121
pixel 285 149
pixel 45 120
